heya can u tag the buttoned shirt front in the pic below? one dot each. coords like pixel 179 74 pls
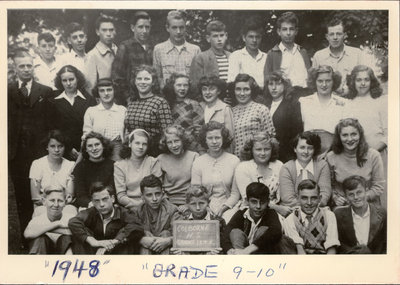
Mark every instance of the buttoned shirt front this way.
pixel 253 227
pixel 107 220
pixel 241 61
pixel 74 59
pixel 45 74
pixel 70 100
pixel 344 63
pixel 293 65
pixel 167 59
pixel 108 122
pixel 304 171
pixel 99 63
pixel 361 226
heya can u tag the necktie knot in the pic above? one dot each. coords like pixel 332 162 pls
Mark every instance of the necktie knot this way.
pixel 309 218
pixel 24 90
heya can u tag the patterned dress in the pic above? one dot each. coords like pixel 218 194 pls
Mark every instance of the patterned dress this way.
pixel 248 119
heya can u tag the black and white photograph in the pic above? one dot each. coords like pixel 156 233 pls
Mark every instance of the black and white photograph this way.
pixel 183 129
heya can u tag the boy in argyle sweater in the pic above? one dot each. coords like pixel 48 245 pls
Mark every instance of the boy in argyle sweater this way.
pixel 313 229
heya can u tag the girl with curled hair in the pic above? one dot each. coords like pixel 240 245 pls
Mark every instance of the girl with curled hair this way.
pixel 147 110
pixel 365 94
pixel 248 116
pixel 185 111
pixel 134 165
pixel 322 110
pixel 260 164
pixel 176 164
pixel 351 155
pixel 70 105
pixel 96 166
pixel 306 165
pixel 215 168
pixel 284 109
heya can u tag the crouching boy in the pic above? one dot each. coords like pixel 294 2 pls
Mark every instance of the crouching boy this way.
pixel 48 230
pixel 255 230
pixel 197 201
pixel 105 227
pixel 313 229
pixel 156 214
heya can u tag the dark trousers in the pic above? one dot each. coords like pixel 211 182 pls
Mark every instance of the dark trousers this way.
pixel 44 245
pixel 84 248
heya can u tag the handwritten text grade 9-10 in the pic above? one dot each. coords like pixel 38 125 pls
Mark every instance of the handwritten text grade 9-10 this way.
pixel 93 267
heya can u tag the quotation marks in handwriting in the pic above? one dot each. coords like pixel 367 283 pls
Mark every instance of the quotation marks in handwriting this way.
pixel 92 268
pixel 262 272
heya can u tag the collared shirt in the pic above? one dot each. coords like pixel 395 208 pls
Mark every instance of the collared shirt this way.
pixel 72 58
pixel 361 226
pixel 241 61
pixel 209 111
pixel 108 122
pixel 107 221
pixel 304 171
pixel 344 63
pixel 253 227
pixel 317 116
pixel 99 63
pixel 332 238
pixel 45 74
pixel 293 65
pixel 167 59
pixel 28 85
pixel 70 100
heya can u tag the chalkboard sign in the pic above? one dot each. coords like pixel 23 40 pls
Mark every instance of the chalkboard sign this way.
pixel 196 235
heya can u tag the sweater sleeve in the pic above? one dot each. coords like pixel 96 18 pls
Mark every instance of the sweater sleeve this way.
pixel 241 180
pixel 235 194
pixel 377 176
pixel 287 187
pixel 87 123
pixel 324 182
pixel 196 173
pixel 274 232
pixel 120 185
pixel 80 187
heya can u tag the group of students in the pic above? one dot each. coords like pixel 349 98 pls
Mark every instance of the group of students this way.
pixel 137 138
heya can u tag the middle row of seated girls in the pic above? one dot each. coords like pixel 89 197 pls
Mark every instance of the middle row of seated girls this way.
pixel 222 173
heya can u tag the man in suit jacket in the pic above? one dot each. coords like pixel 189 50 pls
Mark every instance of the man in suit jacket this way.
pixel 361 226
pixel 27 126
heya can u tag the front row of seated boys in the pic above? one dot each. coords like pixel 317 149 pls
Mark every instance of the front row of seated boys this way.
pixel 107 228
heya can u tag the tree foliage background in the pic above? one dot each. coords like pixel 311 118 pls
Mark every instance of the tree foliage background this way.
pixel 367 29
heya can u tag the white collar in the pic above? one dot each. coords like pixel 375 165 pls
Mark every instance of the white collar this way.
pixel 109 218
pixel 246 215
pixel 309 167
pixel 304 215
pixel 69 100
pixel 206 218
pixel 356 216
pixel 113 108
pixel 28 84
pixel 283 48
pixel 259 56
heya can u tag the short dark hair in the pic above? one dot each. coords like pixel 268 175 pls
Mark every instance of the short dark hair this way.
pixel 246 153
pixel 103 19
pixel 351 182
pixel 139 15
pixel 72 28
pixel 215 26
pixel 252 24
pixel 47 37
pixel 375 87
pixel 211 126
pixel 335 21
pixel 257 190
pixel 177 130
pixel 213 80
pixel 99 186
pixel 314 72
pixel 311 139
pixel 58 136
pixel 80 78
pixel 197 191
pixel 308 184
pixel 104 141
pixel 150 181
pixel 244 77
pixel 288 17
pixel 103 82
